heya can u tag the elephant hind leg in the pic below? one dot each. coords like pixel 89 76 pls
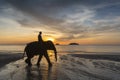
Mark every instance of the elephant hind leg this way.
pixel 28 61
pixel 29 56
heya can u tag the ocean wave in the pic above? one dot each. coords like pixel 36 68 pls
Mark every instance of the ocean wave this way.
pixel 82 68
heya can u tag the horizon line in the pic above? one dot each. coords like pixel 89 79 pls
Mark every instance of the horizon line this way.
pixel 69 44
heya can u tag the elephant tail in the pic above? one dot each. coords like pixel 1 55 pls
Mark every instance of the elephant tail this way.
pixel 24 53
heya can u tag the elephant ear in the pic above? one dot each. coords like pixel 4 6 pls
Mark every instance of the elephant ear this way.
pixel 49 44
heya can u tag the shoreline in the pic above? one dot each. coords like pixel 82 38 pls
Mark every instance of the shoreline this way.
pixel 6 58
pixel 98 56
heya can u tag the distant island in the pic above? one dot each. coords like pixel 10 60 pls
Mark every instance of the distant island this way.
pixel 73 44
pixel 57 44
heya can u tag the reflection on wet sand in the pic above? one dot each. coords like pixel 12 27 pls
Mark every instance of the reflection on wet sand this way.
pixel 18 70
pixel 42 72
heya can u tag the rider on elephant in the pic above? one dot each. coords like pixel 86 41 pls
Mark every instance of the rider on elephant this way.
pixel 40 37
pixel 40 48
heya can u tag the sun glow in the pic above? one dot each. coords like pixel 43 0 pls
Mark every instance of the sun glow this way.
pixel 51 39
pixel 50 52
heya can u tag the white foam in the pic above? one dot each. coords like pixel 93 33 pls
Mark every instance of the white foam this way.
pixel 77 68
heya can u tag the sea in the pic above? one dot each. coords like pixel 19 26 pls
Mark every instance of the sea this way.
pixel 68 49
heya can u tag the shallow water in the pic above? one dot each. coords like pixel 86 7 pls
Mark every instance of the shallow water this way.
pixel 77 68
pixel 18 70
pixel 68 67
pixel 62 49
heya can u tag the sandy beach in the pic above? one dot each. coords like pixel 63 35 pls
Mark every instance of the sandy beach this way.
pixel 13 67
pixel 6 58
pixel 68 67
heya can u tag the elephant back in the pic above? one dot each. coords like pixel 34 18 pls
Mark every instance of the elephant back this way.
pixel 33 47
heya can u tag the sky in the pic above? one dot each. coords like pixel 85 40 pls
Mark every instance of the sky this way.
pixel 64 21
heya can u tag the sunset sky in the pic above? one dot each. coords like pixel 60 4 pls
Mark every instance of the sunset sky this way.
pixel 64 21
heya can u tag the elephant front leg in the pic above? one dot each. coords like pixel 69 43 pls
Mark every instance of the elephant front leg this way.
pixel 39 59
pixel 48 59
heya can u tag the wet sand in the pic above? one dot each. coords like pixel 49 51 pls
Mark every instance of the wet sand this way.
pixel 14 68
pixel 91 66
pixel 6 58
pixel 68 67
pixel 98 56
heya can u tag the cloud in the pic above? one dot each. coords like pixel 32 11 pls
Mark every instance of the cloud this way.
pixel 35 9
pixel 48 11
pixel 108 24
pixel 72 18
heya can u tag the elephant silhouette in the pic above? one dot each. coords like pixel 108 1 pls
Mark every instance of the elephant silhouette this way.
pixel 35 48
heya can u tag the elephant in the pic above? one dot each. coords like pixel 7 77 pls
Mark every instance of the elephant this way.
pixel 36 48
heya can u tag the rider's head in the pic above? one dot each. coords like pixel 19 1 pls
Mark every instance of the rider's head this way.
pixel 40 32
